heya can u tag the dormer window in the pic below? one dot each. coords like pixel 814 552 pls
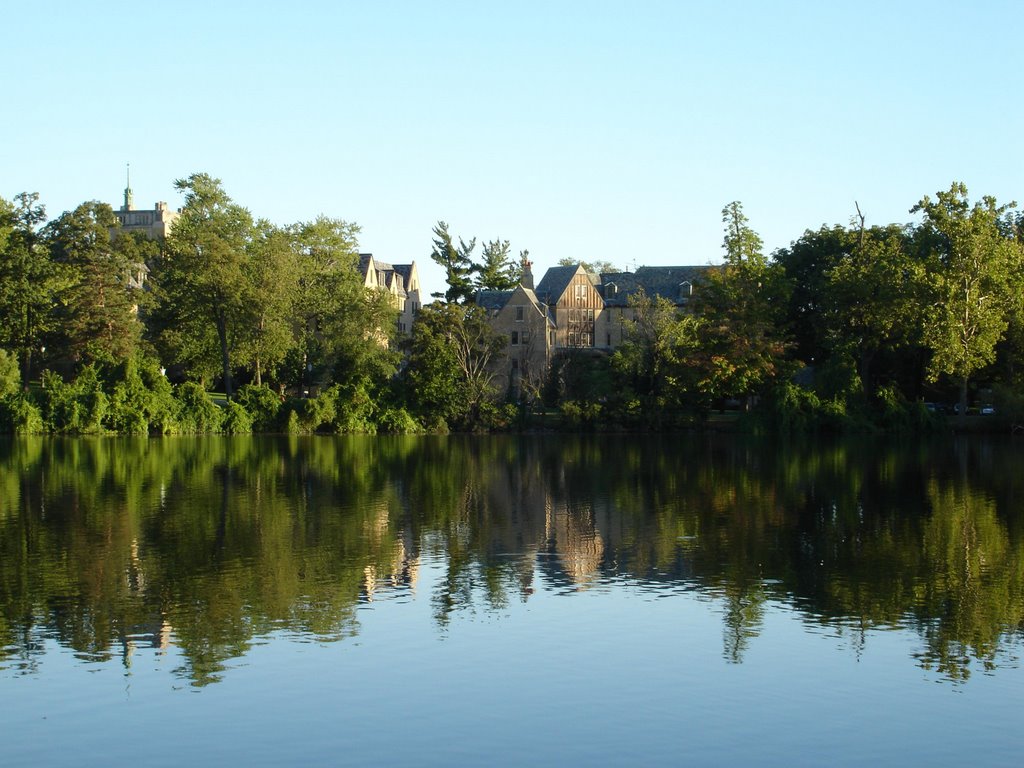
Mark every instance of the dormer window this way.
pixel 685 291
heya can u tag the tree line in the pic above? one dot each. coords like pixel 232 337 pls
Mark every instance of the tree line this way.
pixel 851 325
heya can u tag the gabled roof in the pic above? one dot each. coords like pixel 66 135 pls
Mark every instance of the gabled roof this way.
pixel 495 301
pixel 537 305
pixel 555 281
pixel 393 276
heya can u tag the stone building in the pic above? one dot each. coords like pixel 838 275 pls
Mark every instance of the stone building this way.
pixel 530 329
pixel 573 309
pixel 402 281
pixel 676 284
pixel 155 224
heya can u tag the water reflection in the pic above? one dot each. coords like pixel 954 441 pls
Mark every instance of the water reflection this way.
pixel 111 545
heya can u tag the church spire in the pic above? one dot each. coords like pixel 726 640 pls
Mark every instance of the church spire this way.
pixel 128 202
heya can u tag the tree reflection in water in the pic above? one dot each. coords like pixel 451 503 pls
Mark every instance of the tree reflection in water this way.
pixel 107 545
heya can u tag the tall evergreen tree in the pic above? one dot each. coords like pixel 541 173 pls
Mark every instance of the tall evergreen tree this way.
pixel 742 308
pixel 496 271
pixel 28 280
pixel 457 262
pixel 97 307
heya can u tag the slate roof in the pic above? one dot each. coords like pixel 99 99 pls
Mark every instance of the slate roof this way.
pixel 405 270
pixel 493 301
pixel 656 281
pixel 394 276
pixel 556 280
pixel 543 308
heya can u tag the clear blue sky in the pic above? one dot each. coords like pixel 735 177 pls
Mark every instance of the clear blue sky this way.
pixel 590 130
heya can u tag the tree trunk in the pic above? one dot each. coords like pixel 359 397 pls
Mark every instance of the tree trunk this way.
pixel 225 360
pixel 866 357
pixel 26 368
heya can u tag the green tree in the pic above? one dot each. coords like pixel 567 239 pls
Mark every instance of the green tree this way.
pixel 973 265
pixel 28 280
pixel 449 374
pixel 873 303
pixel 742 244
pixel 598 267
pixel 457 262
pixel 659 358
pixel 272 272
pixel 496 271
pixel 347 329
pixel 10 376
pixel 329 282
pixel 98 305
pixel 742 307
pixel 806 265
pixel 1011 350
pixel 204 288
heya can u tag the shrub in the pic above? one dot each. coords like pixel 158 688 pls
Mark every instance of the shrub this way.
pixel 397 421
pixel 355 411
pixel 237 420
pixel 261 403
pixel 791 408
pixel 77 407
pixel 1009 404
pixel 294 425
pixel 578 415
pixel 60 407
pixel 10 376
pixel 320 411
pixel 19 415
pixel 196 411
pixel 133 405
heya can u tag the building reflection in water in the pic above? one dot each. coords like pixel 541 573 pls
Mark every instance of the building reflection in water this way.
pixel 204 545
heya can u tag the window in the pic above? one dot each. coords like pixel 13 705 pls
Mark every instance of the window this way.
pixel 581 293
pixel 524 338
pixel 519 314
pixel 608 341
pixel 515 338
pixel 515 364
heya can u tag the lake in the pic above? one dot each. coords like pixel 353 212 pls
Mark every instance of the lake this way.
pixel 542 600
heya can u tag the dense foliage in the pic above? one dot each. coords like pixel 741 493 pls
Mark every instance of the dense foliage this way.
pixel 849 327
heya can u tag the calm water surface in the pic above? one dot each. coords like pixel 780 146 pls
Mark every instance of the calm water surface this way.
pixel 499 600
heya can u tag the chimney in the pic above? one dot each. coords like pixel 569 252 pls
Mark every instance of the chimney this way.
pixel 527 279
